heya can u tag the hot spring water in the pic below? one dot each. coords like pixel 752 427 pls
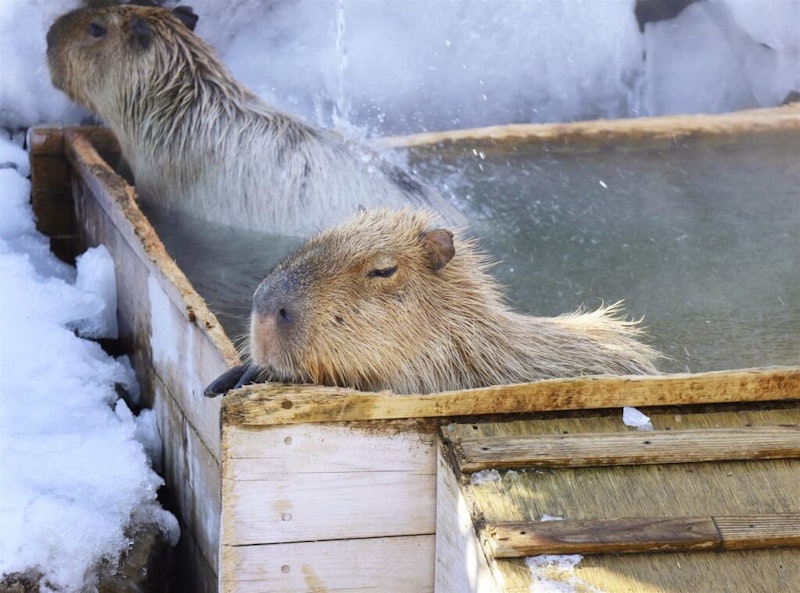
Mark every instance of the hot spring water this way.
pixel 702 239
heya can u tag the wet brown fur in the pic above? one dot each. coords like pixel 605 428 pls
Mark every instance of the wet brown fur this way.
pixel 388 301
pixel 198 141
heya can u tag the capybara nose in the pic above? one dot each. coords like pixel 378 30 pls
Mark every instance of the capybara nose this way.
pixel 271 302
pixel 50 37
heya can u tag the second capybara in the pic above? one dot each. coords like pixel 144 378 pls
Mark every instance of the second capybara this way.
pixel 198 141
pixel 390 301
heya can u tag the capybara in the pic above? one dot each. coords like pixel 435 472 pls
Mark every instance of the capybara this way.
pixel 199 142
pixel 388 300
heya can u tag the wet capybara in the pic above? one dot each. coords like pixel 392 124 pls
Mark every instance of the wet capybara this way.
pixel 197 141
pixel 388 300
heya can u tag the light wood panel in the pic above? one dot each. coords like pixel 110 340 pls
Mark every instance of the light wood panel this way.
pixel 272 403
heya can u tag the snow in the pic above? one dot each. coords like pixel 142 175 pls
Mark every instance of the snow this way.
pixel 26 95
pixel 484 476
pixel 633 417
pixel 556 574
pixel 732 55
pixel 389 67
pixel 74 468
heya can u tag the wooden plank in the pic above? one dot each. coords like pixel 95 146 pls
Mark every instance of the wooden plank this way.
pixel 461 563
pixel 627 448
pixel 261 454
pixel 745 533
pixel 631 535
pixel 602 133
pixel 320 506
pixel 391 565
pixel 271 403
pixel 312 482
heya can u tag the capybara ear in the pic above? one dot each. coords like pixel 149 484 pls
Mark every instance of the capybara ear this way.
pixel 438 245
pixel 142 33
pixel 186 15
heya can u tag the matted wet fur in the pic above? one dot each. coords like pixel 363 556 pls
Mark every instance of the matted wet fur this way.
pixel 387 300
pixel 198 141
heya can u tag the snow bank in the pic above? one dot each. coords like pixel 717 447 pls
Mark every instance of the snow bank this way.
pixel 73 472
pixel 393 67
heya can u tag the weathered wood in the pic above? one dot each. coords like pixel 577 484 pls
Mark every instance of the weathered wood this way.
pixel 630 535
pixel 390 565
pixel 461 563
pixel 600 133
pixel 328 482
pixel 627 448
pixel 746 533
pixel 272 403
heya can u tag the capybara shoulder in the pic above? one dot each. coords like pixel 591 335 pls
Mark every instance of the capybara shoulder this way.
pixel 390 300
pixel 198 141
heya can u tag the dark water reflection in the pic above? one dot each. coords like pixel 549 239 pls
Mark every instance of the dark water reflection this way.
pixel 701 239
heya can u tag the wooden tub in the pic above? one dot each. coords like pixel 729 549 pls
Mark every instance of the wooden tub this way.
pixel 302 488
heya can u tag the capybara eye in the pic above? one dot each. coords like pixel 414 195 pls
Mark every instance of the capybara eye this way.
pixel 96 30
pixel 382 272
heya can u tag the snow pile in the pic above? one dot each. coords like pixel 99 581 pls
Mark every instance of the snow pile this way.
pixel 636 419
pixel 26 95
pixel 73 473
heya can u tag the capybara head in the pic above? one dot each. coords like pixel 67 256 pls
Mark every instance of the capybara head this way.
pixel 367 301
pixel 388 300
pixel 98 55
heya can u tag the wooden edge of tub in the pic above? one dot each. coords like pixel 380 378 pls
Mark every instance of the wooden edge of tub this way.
pixel 275 404
pixel 83 146
pixel 603 133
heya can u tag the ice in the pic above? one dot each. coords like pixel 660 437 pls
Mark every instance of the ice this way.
pixel 96 276
pixel 634 418
pixel 74 471
pixel 722 55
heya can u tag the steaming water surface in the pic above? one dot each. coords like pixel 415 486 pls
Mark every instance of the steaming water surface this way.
pixel 702 239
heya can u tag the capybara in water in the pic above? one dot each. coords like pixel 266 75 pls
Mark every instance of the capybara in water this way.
pixel 198 141
pixel 389 301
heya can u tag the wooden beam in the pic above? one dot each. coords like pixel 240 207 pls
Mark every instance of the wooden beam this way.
pixel 643 534
pixel 602 133
pixel 627 448
pixel 274 403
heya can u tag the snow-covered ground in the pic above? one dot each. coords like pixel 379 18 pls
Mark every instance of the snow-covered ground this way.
pixel 74 469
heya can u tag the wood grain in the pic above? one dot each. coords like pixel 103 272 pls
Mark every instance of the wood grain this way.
pixel 273 403
pixel 627 448
pixel 629 535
